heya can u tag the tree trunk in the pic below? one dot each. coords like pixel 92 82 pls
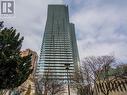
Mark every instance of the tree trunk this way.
pixel 9 92
pixel 45 92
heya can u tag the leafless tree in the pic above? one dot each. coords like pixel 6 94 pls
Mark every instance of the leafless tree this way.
pixel 49 86
pixel 96 73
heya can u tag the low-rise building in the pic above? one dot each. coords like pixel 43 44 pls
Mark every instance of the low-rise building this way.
pixel 29 85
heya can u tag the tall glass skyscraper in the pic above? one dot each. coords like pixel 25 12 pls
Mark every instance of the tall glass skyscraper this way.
pixel 59 47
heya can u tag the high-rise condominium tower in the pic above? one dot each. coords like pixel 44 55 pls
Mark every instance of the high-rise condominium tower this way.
pixel 59 47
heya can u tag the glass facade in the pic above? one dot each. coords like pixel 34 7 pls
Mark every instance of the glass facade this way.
pixel 59 45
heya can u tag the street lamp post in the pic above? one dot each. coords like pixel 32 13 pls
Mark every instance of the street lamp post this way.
pixel 67 68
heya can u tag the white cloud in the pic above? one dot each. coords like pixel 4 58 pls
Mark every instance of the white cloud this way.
pixel 99 27
pixel 29 20
pixel 99 30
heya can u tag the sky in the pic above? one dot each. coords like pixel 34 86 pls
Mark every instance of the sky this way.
pixel 101 25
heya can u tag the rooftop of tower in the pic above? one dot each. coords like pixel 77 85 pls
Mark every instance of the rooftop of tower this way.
pixel 57 2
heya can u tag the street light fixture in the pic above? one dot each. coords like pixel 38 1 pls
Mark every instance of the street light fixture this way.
pixel 67 68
